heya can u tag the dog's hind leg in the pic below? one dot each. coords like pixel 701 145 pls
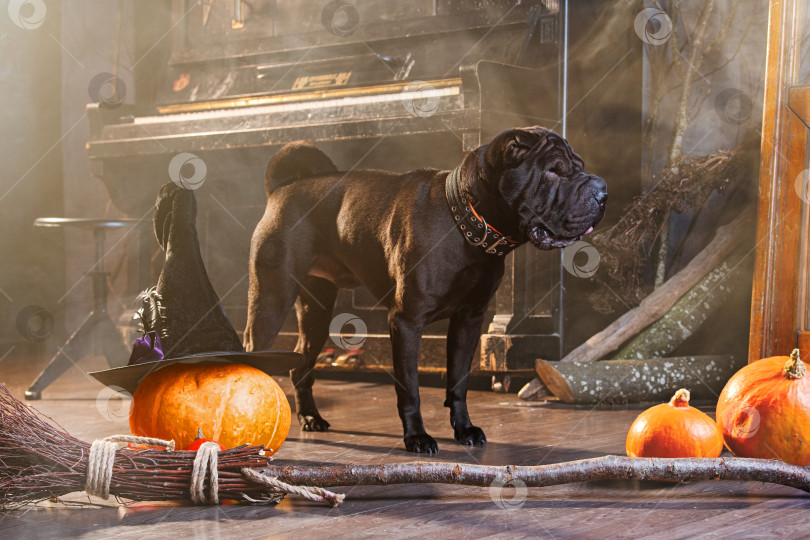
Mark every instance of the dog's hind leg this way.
pixel 314 309
pixel 462 338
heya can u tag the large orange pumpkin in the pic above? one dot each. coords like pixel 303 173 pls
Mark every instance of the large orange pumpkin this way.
pixel 232 403
pixel 674 430
pixel 764 410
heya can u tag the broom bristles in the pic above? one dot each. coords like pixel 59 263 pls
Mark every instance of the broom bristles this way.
pixel 39 460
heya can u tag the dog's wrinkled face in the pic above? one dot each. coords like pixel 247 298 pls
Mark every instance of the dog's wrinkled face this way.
pixel 543 182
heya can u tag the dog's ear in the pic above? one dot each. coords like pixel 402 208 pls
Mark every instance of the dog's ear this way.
pixel 508 149
pixel 516 149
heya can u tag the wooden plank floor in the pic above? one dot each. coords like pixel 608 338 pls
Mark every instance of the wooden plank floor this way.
pixel 366 429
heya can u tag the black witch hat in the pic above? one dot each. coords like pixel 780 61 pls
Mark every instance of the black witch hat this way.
pixel 182 319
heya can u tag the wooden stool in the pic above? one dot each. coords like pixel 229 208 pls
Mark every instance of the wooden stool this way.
pixel 98 327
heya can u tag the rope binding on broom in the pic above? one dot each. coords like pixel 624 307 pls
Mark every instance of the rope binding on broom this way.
pixel 102 459
pixel 206 459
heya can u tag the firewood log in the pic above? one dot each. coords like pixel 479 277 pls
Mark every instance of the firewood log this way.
pixel 623 381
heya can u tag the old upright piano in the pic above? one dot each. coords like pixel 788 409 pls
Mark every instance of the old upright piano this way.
pixel 383 84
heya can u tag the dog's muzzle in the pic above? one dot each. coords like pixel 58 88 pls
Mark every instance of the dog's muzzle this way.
pixel 543 238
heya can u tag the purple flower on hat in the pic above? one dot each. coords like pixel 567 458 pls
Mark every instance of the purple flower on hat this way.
pixel 146 348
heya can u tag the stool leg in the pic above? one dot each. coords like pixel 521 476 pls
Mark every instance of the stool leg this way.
pixel 72 351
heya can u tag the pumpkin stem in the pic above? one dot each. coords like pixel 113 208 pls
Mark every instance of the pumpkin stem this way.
pixel 200 433
pixel 681 398
pixel 794 367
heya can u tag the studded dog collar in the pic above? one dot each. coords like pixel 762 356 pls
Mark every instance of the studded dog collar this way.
pixel 474 227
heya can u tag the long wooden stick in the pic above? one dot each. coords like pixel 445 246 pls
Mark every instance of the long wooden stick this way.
pixel 601 468
pixel 664 297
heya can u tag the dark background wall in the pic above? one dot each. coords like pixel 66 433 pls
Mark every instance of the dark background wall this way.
pixel 32 271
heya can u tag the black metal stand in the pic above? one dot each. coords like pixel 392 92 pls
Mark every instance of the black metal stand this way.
pixel 98 328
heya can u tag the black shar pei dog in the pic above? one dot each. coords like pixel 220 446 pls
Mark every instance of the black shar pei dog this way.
pixel 428 244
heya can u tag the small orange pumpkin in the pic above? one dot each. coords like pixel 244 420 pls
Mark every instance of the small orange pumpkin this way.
pixel 764 410
pixel 674 430
pixel 233 403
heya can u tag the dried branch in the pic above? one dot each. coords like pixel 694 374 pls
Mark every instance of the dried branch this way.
pixel 677 59
pixel 681 113
pixel 623 247
pixel 586 470
pixel 721 34
pixel 681 123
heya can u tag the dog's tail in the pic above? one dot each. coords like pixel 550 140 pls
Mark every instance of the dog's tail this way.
pixel 295 161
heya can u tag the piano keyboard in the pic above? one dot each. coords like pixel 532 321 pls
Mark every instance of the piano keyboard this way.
pixel 344 113
pixel 409 92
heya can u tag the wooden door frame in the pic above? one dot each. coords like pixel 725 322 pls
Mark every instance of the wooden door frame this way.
pixel 778 268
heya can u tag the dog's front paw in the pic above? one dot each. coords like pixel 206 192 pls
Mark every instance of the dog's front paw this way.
pixel 470 435
pixel 421 444
pixel 312 422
